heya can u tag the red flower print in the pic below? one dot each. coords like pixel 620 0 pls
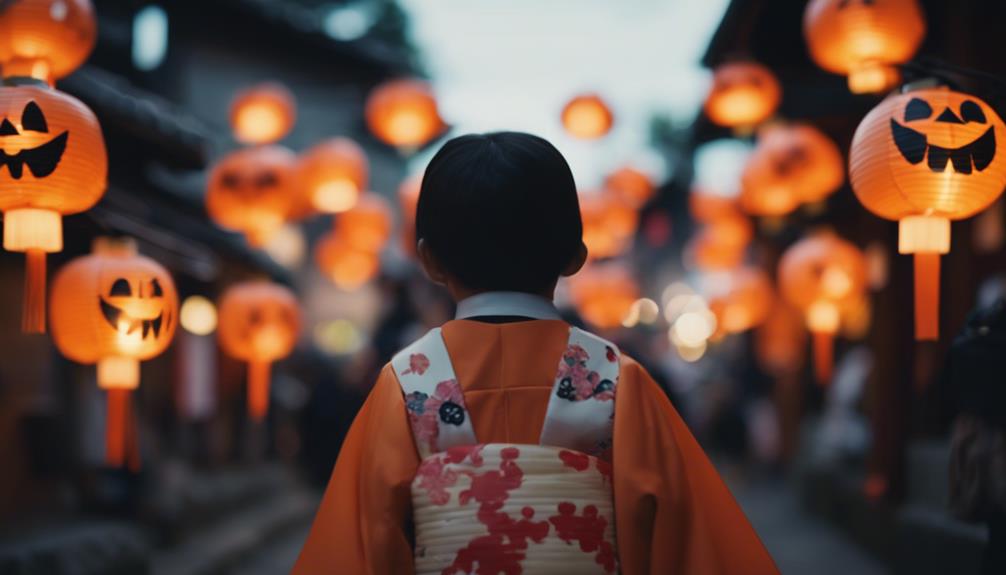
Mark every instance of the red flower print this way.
pixel 587 530
pixel 577 461
pixel 418 364
pixel 576 382
pixel 610 353
pixel 435 479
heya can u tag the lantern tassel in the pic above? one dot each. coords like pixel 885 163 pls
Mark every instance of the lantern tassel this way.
pixel 116 421
pixel 927 296
pixel 258 389
pixel 33 310
pixel 824 357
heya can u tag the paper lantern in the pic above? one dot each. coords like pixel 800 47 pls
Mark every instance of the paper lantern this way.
pixel 368 225
pixel 408 201
pixel 864 40
pixel 608 225
pixel 603 294
pixel 742 95
pixel 52 163
pixel 347 266
pixel 114 308
pixel 741 300
pixel 259 323
pixel 705 207
pixel 587 117
pixel 790 165
pixel 263 114
pixel 821 275
pixel 332 175
pixel 403 113
pixel 721 243
pixel 780 342
pixel 705 252
pixel 630 186
pixel 252 191
pixel 45 39
pixel 924 158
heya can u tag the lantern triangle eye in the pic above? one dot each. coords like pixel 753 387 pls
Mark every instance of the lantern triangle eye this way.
pixel 917 110
pixel 120 288
pixel 33 119
pixel 265 180
pixel 155 289
pixel 972 112
pixel 7 129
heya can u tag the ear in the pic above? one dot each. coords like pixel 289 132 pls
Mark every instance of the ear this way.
pixel 577 262
pixel 430 264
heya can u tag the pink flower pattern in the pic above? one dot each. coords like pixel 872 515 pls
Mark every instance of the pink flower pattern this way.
pixel 577 382
pixel 418 364
pixel 427 413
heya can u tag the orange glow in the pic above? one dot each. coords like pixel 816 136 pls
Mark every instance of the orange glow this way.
pixel 742 301
pixel 587 117
pixel 45 39
pixel 631 186
pixel 113 308
pixel 408 201
pixel 896 176
pixel 259 323
pixel 608 225
pixel 263 114
pixel 864 40
pixel 332 175
pixel 823 275
pixel 348 267
pixel 251 191
pixel 722 242
pixel 367 226
pixel 604 294
pixel 780 342
pixel 742 95
pixel 790 165
pixel 34 194
pixel 403 113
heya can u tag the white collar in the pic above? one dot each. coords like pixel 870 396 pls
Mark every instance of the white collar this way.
pixel 506 303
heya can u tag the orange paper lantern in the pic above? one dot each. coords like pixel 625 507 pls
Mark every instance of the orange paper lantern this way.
pixel 587 117
pixel 603 294
pixel 332 175
pixel 722 242
pixel 347 266
pixel 45 39
pixel 263 114
pixel 114 308
pixel 403 113
pixel 742 95
pixel 924 158
pixel 705 207
pixel 259 323
pixel 791 164
pixel 251 191
pixel 822 275
pixel 367 226
pixel 630 186
pixel 52 162
pixel 707 253
pixel 741 300
pixel 608 225
pixel 863 39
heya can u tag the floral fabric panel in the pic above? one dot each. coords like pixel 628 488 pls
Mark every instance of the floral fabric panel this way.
pixel 434 402
pixel 581 409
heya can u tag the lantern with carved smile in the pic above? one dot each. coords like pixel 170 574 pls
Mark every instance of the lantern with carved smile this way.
pixel 259 323
pixel 924 158
pixel 52 162
pixel 114 308
pixel 251 191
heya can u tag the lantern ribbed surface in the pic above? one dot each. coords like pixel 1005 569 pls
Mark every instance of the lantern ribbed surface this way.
pixel 112 303
pixel 403 113
pixel 263 114
pixel 56 151
pixel 251 191
pixel 851 37
pixel 933 152
pixel 742 94
pixel 259 321
pixel 45 39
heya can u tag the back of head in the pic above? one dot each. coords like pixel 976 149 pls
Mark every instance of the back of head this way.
pixel 499 211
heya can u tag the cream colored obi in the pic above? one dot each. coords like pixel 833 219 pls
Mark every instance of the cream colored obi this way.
pixel 505 508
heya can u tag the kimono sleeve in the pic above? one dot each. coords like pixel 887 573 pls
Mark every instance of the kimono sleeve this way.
pixel 673 514
pixel 361 524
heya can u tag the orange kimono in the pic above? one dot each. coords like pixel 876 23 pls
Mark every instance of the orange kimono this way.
pixel 673 514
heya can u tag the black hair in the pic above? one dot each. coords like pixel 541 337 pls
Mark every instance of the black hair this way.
pixel 499 211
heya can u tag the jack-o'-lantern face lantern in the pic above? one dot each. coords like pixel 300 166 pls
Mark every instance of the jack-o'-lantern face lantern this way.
pixel 113 302
pixel 790 165
pixel 45 39
pixel 743 94
pixel 251 191
pixel 52 154
pixel 259 321
pixel 929 152
pixel 822 268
